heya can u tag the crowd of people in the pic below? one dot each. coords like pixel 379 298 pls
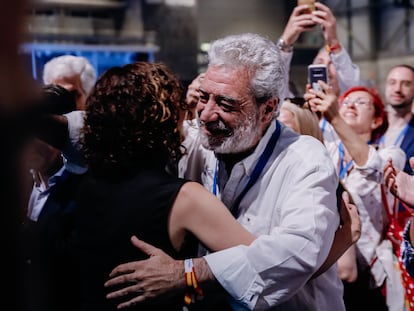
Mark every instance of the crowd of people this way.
pixel 231 193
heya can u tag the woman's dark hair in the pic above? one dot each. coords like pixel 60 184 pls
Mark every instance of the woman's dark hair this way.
pixel 132 120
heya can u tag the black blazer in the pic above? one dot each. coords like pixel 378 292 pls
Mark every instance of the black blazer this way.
pixel 51 267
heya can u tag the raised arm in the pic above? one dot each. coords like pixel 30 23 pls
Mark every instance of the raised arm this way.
pixel 326 102
pixel 348 73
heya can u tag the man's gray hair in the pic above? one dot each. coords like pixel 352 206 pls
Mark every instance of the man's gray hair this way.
pixel 68 66
pixel 258 55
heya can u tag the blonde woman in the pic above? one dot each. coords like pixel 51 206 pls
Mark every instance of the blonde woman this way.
pixel 295 113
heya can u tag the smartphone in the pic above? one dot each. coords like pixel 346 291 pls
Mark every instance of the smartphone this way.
pixel 315 73
pixel 311 4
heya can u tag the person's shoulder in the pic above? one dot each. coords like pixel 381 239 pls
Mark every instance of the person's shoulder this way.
pixel 305 149
pixel 191 190
pixel 294 141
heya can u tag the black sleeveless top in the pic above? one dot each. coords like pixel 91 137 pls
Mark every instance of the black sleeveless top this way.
pixel 110 213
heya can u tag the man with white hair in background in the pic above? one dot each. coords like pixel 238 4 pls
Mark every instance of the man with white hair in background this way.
pixel 74 73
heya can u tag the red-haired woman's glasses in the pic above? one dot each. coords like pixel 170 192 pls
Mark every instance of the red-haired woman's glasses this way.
pixel 357 102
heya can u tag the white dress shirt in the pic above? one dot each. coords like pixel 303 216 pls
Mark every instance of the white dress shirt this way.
pixel 292 210
pixel 73 159
pixel 40 194
pixel 197 164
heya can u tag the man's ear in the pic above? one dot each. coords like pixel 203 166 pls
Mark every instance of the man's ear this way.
pixel 269 108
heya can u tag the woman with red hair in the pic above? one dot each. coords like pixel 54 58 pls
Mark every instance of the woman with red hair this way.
pixel 359 119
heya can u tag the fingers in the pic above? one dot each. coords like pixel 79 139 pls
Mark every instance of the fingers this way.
pixel 300 10
pixel 145 247
pixel 321 7
pixel 411 160
pixel 345 197
pixel 350 216
pixel 131 302
pixel 133 289
pixel 124 272
pixel 390 177
pixel 326 87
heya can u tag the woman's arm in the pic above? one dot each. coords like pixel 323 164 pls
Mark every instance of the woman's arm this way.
pixel 326 102
pixel 198 211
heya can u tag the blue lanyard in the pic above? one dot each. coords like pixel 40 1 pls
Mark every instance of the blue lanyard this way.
pixel 264 157
pixel 400 136
pixel 214 190
pixel 343 169
pixel 323 125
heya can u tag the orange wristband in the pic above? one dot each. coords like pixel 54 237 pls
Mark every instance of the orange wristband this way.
pixel 194 292
pixel 333 48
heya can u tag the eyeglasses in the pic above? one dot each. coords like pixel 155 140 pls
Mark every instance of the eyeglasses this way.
pixel 358 102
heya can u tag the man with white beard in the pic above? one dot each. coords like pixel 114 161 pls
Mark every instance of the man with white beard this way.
pixel 263 173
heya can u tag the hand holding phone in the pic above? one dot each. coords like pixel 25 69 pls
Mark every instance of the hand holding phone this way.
pixel 317 72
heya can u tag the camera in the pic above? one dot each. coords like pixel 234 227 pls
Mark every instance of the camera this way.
pixel 317 72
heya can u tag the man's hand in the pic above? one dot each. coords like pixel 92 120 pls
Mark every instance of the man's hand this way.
pixel 192 94
pixel 157 275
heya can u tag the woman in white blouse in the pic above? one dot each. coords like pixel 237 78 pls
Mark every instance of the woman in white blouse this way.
pixel 359 119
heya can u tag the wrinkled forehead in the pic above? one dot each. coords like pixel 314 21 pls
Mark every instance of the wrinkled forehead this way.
pixel 230 80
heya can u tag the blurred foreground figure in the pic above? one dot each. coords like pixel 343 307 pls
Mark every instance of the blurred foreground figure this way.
pixel 15 90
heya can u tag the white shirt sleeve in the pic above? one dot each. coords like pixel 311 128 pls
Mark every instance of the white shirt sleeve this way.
pixel 348 73
pixel 286 60
pixel 72 154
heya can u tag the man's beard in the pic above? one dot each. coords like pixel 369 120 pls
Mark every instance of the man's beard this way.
pixel 236 140
pixel 398 105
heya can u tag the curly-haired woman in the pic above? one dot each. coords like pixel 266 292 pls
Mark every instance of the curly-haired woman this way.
pixel 132 144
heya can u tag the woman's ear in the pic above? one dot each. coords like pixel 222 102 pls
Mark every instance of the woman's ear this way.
pixel 376 123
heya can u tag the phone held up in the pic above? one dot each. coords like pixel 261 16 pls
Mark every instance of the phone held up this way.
pixel 317 72
pixel 311 4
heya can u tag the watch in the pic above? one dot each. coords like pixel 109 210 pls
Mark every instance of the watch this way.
pixel 281 44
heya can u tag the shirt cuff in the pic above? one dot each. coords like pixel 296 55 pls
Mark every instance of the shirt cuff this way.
pixel 234 272
pixel 73 157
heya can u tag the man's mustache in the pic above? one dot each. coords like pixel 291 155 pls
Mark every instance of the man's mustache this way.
pixel 217 128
